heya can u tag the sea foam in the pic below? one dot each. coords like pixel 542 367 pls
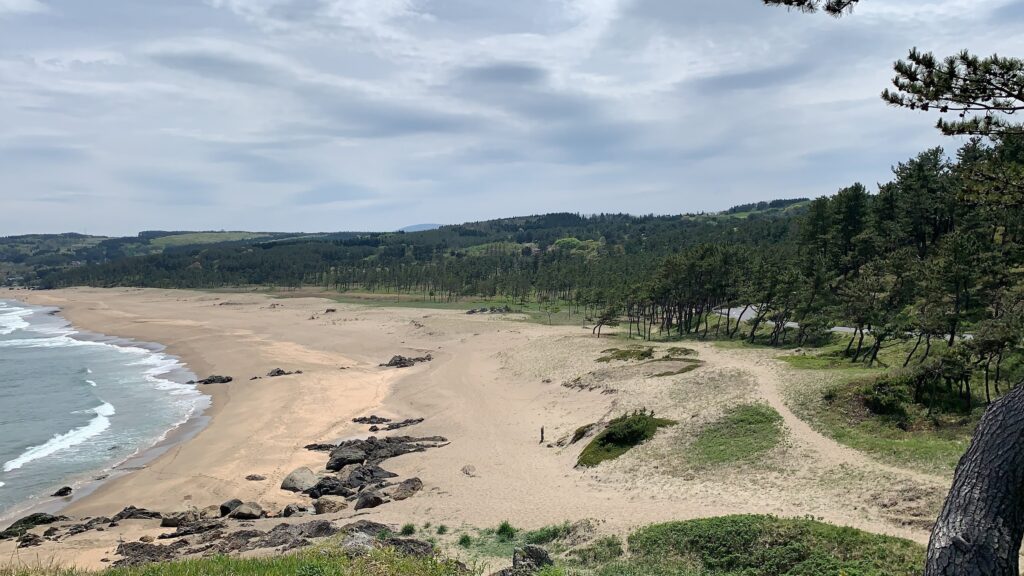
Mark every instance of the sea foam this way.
pixel 64 441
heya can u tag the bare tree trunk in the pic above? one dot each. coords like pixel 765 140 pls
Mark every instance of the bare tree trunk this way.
pixel 979 530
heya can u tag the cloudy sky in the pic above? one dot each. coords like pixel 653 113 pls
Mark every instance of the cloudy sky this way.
pixel 310 115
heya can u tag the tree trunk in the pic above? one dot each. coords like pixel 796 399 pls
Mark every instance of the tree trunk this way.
pixel 979 530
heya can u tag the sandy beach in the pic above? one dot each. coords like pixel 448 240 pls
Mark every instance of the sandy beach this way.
pixel 494 382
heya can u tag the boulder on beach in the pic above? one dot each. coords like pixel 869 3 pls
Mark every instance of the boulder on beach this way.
pixel 292 510
pixel 300 480
pixel 247 511
pixel 330 504
pixel 368 500
pixel 406 489
pixel 28 540
pixel 330 486
pixel 65 491
pixel 175 519
pixel 255 477
pixel 399 361
pixel 229 506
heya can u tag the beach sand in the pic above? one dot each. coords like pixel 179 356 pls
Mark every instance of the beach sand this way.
pixel 494 382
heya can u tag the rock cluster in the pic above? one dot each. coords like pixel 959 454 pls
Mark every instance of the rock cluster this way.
pixel 215 379
pixel 498 310
pixel 406 362
pixel 279 372
pixel 527 561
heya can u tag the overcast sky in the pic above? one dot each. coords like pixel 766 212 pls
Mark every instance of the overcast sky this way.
pixel 310 115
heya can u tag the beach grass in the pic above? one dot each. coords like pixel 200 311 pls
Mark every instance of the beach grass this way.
pixel 743 434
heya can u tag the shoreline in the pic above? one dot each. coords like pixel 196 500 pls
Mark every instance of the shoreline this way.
pixel 86 482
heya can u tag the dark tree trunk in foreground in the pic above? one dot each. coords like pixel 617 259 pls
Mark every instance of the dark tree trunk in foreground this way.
pixel 979 530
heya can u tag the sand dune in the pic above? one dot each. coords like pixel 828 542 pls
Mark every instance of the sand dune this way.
pixel 493 384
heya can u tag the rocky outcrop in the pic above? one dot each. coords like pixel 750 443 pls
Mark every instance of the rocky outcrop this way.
pixel 133 513
pixel 23 525
pixel 406 362
pixel 139 553
pixel 279 372
pixel 293 510
pixel 374 450
pixel 194 527
pixel 329 486
pixel 300 480
pixel 63 492
pixel 28 540
pixel 373 419
pixel 215 379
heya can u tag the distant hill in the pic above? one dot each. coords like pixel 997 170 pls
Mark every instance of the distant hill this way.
pixel 420 228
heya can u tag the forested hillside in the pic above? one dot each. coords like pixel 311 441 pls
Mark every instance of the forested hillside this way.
pixel 933 256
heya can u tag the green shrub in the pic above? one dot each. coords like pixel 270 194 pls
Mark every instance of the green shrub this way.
pixel 465 541
pixel 744 433
pixel 505 532
pixel 889 395
pixel 769 546
pixel 408 530
pixel 548 534
pixel 442 530
pixel 619 436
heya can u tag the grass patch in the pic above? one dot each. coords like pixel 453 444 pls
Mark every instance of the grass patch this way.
pixel 619 436
pixel 742 435
pixel 601 551
pixel 323 561
pixel 408 530
pixel 548 534
pixel 834 404
pixel 690 366
pixel 764 546
pixel 633 353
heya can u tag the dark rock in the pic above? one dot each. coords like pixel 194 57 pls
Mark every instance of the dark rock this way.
pixel 365 475
pixel 527 561
pixel 374 419
pixel 406 362
pixel 195 527
pixel 406 489
pixel 93 524
pixel 25 524
pixel 368 500
pixel 330 486
pixel 374 428
pixel 294 510
pixel 300 480
pixel 403 424
pixel 215 379
pixel 279 372
pixel 51 532
pixel 28 540
pixel 372 529
pixel 229 506
pixel 374 450
pixel 176 519
pixel 133 513
pixel 255 477
pixel 409 547
pixel 248 511
pixel 65 491
pixel 139 553
pixel 320 447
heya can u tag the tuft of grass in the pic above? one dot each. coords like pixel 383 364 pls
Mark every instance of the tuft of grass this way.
pixel 442 530
pixel 765 546
pixel 505 532
pixel 619 436
pixel 465 541
pixel 408 530
pixel 741 435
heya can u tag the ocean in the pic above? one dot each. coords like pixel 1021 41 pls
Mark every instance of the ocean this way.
pixel 74 405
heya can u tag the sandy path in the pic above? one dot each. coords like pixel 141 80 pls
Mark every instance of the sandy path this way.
pixel 494 382
pixel 769 374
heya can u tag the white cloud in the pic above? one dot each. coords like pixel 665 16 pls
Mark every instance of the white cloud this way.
pixel 21 7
